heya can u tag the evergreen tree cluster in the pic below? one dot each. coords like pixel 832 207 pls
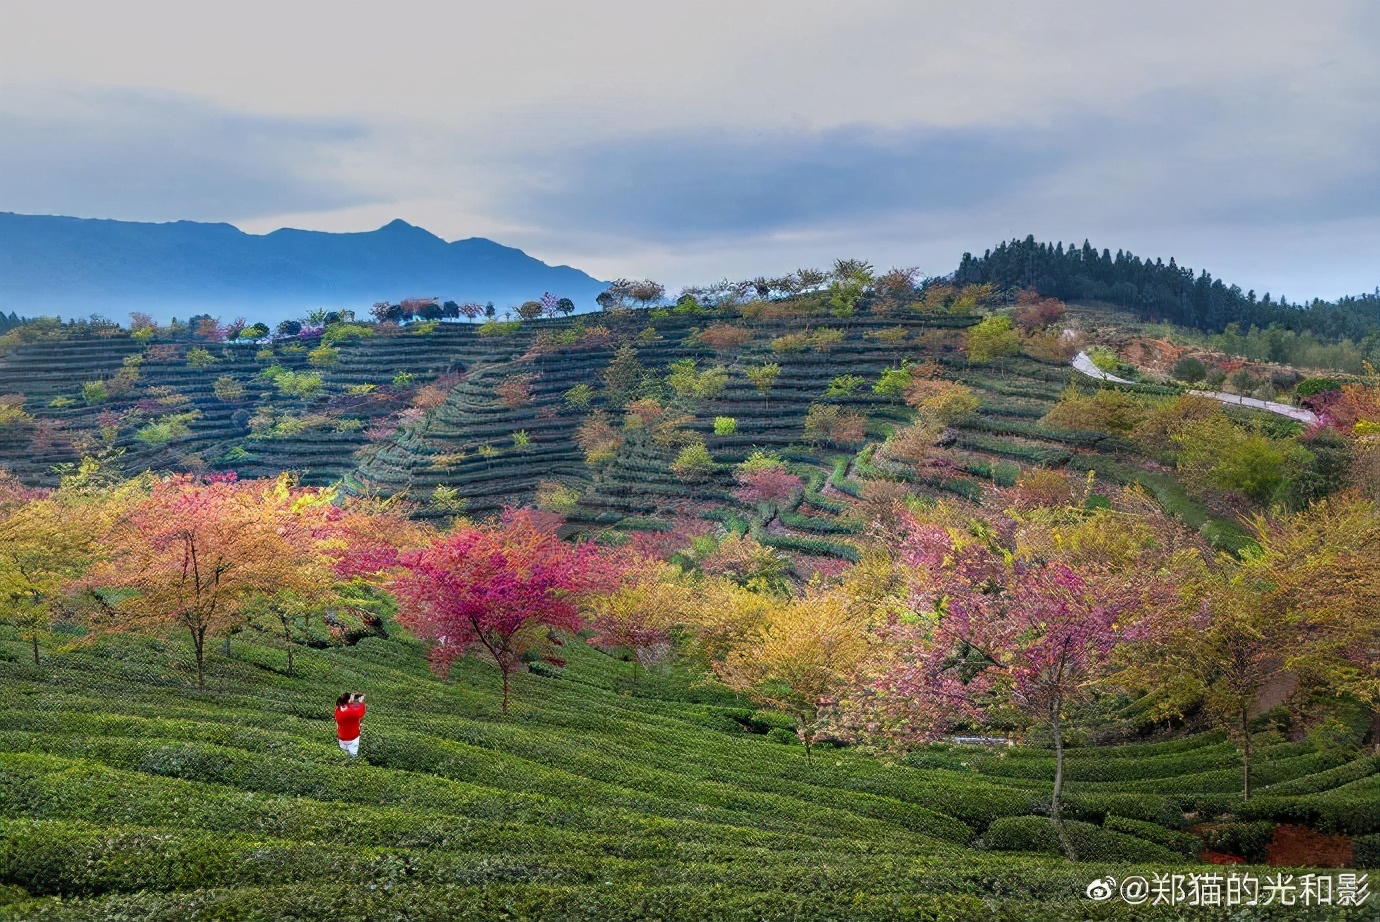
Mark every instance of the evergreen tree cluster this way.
pixel 10 321
pixel 1162 292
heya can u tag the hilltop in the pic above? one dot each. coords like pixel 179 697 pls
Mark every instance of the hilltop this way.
pixel 76 266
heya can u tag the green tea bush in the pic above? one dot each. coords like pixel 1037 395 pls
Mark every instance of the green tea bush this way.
pixel 1367 851
pixel 1023 834
pixel 1180 843
pixel 1248 840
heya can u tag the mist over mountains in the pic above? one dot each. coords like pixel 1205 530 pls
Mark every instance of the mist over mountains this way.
pixel 79 266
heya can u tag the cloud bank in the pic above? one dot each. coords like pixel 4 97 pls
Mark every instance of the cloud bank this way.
pixel 688 142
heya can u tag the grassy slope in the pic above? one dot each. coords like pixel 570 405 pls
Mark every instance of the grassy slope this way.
pixel 132 797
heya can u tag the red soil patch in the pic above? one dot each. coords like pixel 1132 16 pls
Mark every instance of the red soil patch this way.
pixel 1220 858
pixel 1300 847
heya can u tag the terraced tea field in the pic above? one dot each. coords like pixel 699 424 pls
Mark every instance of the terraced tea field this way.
pixel 415 409
pixel 125 795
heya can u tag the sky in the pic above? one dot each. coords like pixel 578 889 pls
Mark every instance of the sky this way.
pixel 690 141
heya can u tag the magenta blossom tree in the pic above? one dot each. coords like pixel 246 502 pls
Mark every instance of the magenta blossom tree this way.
pixel 500 590
pixel 992 632
pixel 768 489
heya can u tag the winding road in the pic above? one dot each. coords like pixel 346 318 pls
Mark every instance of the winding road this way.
pixel 1084 364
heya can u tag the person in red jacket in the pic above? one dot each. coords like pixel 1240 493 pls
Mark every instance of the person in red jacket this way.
pixel 349 711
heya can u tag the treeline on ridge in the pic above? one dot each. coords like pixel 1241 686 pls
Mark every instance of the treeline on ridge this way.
pixel 1159 291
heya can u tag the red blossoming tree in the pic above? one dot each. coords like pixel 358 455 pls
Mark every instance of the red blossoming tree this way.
pixel 498 589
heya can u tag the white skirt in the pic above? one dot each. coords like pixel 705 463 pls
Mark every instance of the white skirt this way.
pixel 350 746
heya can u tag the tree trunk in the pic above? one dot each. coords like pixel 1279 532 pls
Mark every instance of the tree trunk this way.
pixel 1245 755
pixel 199 642
pixel 505 688
pixel 1056 813
pixel 34 638
pixel 1375 731
pixel 290 663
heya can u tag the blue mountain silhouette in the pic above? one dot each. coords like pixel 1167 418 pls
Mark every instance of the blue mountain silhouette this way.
pixel 78 266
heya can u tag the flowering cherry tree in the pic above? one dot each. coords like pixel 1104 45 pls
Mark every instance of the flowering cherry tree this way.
pixel 499 590
pixel 992 630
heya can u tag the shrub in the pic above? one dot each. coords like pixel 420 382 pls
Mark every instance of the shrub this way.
pixel 499 327
pixel 521 440
pixel 557 497
pixel 991 339
pixel 579 396
pixel 345 332
pixel 227 389
pixel 685 380
pixel 404 379
pixel 1022 834
pixel 725 425
pixel 94 392
pixel 163 431
pixel 12 411
pixel 1180 843
pixel 829 423
pixel 1104 359
pixel 1366 850
pixel 197 357
pixel 825 339
pixel 1189 369
pixel 1248 840
pixel 694 461
pixel 724 337
pixel 893 383
pixel 323 356
pixel 1104 410
pixel 940 402
pixel 843 385
pixel 515 391
pixel 791 342
pixel 297 383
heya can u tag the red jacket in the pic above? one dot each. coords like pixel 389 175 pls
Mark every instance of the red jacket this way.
pixel 347 721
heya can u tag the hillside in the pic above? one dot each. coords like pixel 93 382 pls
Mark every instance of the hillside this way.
pixel 896 525
pixel 123 795
pixel 495 412
pixel 76 266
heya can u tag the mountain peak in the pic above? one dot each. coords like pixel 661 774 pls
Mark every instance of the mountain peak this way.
pixel 50 263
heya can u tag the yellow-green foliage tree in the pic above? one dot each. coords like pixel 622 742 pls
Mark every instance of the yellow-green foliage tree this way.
pixel 803 655
pixel 1319 569
pixel 47 540
pixel 192 555
pixel 992 339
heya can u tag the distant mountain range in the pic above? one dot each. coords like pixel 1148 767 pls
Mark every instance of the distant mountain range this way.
pixel 79 266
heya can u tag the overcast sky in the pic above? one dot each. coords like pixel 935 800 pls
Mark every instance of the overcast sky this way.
pixel 690 141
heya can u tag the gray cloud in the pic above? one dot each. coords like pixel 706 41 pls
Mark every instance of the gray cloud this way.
pixel 695 184
pixel 1183 157
pixel 156 156
pixel 688 141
